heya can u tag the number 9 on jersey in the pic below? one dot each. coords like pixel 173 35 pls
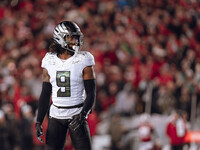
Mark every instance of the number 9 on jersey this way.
pixel 63 81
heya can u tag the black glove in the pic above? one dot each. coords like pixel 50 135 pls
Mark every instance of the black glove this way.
pixel 77 121
pixel 39 131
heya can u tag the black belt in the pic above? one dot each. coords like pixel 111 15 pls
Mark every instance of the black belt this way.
pixel 70 107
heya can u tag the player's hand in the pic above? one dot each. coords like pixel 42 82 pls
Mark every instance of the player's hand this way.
pixel 39 131
pixel 77 121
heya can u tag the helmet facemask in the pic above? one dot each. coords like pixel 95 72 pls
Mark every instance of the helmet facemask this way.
pixel 73 42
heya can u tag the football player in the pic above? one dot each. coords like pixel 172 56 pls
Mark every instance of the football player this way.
pixel 67 75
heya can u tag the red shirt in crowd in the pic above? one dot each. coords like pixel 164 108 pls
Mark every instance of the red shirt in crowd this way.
pixel 172 134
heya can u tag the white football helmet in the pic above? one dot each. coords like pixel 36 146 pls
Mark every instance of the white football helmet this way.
pixel 63 34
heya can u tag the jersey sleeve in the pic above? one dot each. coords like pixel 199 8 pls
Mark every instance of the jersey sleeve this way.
pixel 44 61
pixel 89 60
pixel 48 60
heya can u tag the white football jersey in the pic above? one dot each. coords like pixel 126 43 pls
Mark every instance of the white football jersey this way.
pixel 66 77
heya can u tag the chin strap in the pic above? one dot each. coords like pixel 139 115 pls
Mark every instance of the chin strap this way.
pixel 73 50
pixel 70 52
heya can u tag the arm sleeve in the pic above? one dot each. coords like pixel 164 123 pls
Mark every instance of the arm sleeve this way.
pixel 90 89
pixel 44 101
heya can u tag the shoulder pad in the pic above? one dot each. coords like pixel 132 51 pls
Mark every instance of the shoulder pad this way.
pixel 49 59
pixel 88 58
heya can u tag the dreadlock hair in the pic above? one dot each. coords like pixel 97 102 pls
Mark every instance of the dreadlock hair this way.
pixel 55 48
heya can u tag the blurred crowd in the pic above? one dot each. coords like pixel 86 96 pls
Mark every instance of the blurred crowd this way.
pixel 145 50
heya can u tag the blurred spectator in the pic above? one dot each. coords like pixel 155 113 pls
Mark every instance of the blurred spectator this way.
pixel 184 101
pixel 166 101
pixel 176 130
pixel 4 136
pixel 126 101
pixel 13 126
pixel 102 101
pixel 116 130
pixel 148 138
pixel 26 127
